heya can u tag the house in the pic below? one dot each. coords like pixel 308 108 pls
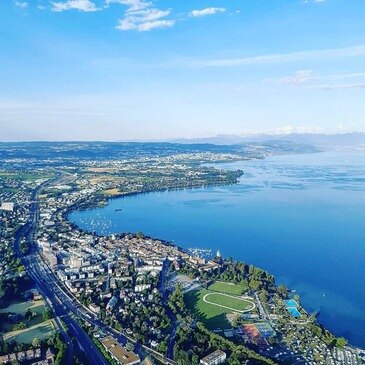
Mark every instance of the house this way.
pixel 112 303
pixel 215 358
pixel 94 308
pixel 8 206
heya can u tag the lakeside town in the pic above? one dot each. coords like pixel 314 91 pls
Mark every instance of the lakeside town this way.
pixel 71 296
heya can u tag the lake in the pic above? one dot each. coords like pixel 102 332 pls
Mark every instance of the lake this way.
pixel 300 217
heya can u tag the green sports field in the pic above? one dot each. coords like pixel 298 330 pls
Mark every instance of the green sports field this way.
pixel 213 314
pixel 42 331
pixel 21 307
pixel 228 302
pixel 228 288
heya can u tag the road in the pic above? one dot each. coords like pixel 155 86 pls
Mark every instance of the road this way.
pixel 61 310
pixel 62 302
pixel 165 297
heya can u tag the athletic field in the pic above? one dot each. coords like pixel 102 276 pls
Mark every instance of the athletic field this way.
pixel 42 331
pixel 22 307
pixel 228 288
pixel 229 302
pixel 212 307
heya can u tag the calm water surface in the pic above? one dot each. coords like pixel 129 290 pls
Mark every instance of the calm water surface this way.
pixel 301 217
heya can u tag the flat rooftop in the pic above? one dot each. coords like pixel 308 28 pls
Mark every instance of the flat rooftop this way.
pixel 123 356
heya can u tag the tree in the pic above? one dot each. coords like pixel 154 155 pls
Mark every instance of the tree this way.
pixel 36 342
pixel 297 298
pixel 162 347
pixel 2 289
pixel 140 235
pixel 129 346
pixel 19 326
pixel 340 342
pixel 283 291
pixel 28 314
pixel 47 314
pixel 176 300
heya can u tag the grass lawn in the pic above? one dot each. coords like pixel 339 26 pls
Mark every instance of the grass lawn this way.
pixel 24 176
pixel 228 288
pixel 112 192
pixel 211 315
pixel 229 302
pixel 21 308
pixel 42 331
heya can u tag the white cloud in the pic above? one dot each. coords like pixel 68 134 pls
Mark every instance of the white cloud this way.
pixel 285 57
pixel 21 4
pixel 288 129
pixel 133 5
pixel 82 5
pixel 301 77
pixel 313 1
pixel 141 16
pixel 206 11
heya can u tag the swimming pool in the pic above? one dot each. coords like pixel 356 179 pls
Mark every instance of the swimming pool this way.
pixel 291 303
pixel 294 312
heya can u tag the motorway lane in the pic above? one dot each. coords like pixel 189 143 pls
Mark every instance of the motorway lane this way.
pixel 61 302
pixel 31 263
pixel 60 309
pixel 73 306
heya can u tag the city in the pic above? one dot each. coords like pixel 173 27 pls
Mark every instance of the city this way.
pixel 131 298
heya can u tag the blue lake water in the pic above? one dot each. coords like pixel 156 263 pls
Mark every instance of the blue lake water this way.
pixel 301 217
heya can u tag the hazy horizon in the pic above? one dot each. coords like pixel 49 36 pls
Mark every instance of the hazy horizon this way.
pixel 224 136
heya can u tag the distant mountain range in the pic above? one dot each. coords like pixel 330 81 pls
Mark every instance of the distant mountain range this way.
pixel 355 139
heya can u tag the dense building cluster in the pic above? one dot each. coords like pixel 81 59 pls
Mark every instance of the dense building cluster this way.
pixel 140 286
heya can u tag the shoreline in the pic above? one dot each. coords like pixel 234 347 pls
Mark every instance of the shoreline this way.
pixel 168 242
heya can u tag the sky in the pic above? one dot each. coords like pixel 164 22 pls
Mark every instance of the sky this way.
pixel 163 69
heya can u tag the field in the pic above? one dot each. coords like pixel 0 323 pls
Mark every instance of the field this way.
pixel 228 288
pixel 229 302
pixel 37 307
pixel 21 308
pixel 24 176
pixel 42 331
pixel 214 314
pixel 112 192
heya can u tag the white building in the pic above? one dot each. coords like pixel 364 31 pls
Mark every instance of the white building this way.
pixel 7 206
pixel 215 358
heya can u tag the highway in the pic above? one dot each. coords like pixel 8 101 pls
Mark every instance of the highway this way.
pixel 62 302
pixel 60 308
pixel 165 297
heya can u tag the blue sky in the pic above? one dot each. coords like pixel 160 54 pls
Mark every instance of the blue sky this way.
pixel 136 69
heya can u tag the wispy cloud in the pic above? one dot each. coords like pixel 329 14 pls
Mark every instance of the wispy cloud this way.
pixel 299 78
pixel 360 85
pixel 21 4
pixel 309 79
pixel 133 5
pixel 142 16
pixel 206 11
pixel 285 57
pixel 313 1
pixel 81 5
